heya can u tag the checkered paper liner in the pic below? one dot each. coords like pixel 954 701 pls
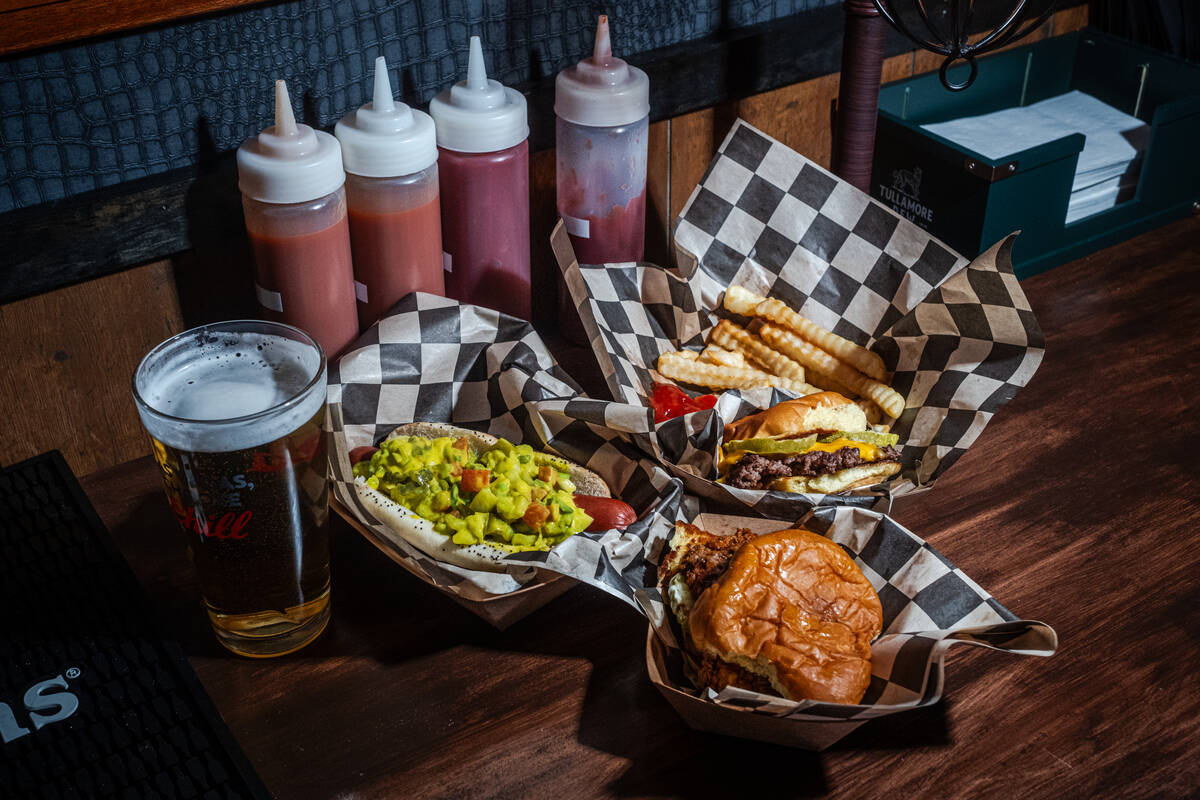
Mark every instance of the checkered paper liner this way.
pixel 433 359
pixel 958 338
pixel 928 605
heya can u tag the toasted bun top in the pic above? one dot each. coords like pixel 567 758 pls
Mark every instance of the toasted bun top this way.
pixel 823 412
pixel 793 604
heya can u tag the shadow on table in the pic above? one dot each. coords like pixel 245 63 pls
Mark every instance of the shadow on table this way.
pixel 622 714
pixel 922 727
pixel 382 613
pixel 726 766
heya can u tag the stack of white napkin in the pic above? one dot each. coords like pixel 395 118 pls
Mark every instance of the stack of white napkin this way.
pixel 1111 160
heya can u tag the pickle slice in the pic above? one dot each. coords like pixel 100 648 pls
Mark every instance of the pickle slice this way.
pixel 866 437
pixel 771 445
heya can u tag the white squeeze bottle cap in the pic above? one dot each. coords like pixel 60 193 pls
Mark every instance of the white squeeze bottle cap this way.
pixel 386 139
pixel 289 162
pixel 479 115
pixel 602 91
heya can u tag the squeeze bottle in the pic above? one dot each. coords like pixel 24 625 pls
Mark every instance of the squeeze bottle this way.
pixel 483 158
pixel 602 107
pixel 291 181
pixel 390 155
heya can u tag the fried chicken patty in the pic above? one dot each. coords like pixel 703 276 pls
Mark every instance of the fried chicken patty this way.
pixel 705 559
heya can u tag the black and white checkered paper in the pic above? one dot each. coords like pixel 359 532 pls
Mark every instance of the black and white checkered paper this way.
pixel 958 338
pixel 433 359
pixel 928 605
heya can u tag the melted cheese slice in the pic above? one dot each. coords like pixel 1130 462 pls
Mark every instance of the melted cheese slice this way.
pixel 869 452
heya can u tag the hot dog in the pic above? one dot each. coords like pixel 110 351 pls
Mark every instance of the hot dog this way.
pixel 607 513
pixel 470 499
pixel 360 453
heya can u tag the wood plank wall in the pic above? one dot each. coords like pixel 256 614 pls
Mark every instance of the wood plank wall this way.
pixel 71 352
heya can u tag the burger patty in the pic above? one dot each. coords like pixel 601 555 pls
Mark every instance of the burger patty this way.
pixel 754 471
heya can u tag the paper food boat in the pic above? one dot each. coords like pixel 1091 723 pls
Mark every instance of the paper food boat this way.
pixel 958 338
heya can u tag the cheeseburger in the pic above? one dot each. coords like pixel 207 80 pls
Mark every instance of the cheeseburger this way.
pixel 787 613
pixel 819 443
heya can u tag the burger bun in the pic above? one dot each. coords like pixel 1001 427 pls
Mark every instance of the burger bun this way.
pixel 823 412
pixel 795 609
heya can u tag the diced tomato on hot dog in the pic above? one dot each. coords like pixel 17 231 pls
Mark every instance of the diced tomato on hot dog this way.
pixel 536 515
pixel 607 513
pixel 361 453
pixel 475 479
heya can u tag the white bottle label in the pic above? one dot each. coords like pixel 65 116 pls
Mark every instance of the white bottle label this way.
pixel 268 299
pixel 579 228
pixel 360 291
pixel 447 262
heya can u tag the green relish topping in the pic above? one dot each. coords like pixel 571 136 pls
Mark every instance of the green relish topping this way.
pixel 509 496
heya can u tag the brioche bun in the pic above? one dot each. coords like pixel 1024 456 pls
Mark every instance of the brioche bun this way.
pixel 820 413
pixel 823 412
pixel 419 532
pixel 793 608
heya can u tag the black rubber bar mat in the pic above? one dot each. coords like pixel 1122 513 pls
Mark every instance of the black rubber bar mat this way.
pixel 93 701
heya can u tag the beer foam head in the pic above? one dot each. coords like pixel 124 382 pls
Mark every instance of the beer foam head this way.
pixel 220 388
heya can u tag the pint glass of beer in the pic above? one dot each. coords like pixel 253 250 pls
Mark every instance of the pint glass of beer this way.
pixel 234 412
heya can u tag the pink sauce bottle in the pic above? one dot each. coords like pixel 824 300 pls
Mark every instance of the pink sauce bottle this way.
pixel 390 155
pixel 291 180
pixel 602 107
pixel 483 158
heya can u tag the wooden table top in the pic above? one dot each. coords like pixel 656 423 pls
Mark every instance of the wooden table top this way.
pixel 1079 506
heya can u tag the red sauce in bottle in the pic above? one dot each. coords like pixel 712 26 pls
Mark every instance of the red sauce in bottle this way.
pixel 305 277
pixel 602 130
pixel 291 179
pixel 485 227
pixel 397 242
pixel 617 236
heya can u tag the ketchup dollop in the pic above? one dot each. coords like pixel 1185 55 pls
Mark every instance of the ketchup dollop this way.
pixel 670 401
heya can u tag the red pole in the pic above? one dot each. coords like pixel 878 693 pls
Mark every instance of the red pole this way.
pixel 858 96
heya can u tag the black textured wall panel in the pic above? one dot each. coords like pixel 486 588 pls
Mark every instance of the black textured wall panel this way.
pixel 77 118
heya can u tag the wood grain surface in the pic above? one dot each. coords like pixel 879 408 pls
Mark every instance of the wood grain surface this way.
pixel 28 24
pixel 658 193
pixel 69 356
pixel 1077 506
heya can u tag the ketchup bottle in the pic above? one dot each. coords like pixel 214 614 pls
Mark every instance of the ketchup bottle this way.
pixel 602 107
pixel 291 180
pixel 390 155
pixel 483 157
